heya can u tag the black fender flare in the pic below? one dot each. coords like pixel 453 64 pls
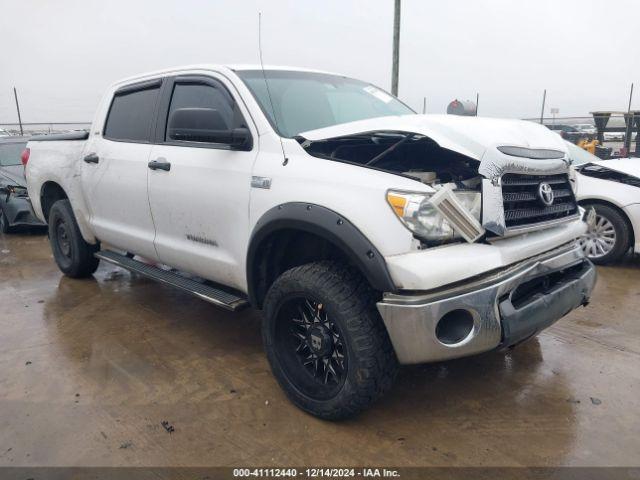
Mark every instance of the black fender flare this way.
pixel 327 224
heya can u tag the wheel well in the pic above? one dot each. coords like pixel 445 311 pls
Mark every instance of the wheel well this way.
pixel 51 192
pixel 617 209
pixel 285 249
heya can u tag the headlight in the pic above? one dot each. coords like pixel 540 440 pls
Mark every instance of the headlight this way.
pixel 420 216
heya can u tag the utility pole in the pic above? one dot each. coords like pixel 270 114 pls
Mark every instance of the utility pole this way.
pixel 477 102
pixel 395 64
pixel 544 99
pixel 630 98
pixel 15 94
pixel 424 105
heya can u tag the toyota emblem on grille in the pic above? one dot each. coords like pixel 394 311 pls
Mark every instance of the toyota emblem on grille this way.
pixel 545 193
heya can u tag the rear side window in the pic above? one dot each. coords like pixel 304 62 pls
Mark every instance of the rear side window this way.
pixel 131 115
pixel 209 105
pixel 10 153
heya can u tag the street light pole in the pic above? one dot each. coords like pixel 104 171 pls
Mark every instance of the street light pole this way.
pixel 395 64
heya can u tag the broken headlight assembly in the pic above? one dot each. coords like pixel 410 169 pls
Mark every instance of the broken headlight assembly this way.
pixel 439 217
pixel 16 191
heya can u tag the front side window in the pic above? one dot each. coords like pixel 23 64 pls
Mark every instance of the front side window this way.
pixel 201 113
pixel 10 153
pixel 131 115
pixel 305 101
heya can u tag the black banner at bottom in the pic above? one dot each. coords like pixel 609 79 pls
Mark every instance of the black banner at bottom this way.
pixel 310 473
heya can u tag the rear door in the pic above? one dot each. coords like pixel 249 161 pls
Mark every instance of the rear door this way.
pixel 115 170
pixel 200 202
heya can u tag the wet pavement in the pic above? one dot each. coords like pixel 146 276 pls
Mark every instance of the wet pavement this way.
pixel 119 370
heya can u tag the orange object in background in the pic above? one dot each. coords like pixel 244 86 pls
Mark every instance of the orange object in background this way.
pixel 589 145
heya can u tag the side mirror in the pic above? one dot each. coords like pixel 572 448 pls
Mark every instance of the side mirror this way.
pixel 240 139
pixel 206 125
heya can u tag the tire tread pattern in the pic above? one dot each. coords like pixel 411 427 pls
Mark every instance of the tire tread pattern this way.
pixel 372 355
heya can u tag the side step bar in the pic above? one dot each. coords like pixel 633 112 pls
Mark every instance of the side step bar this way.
pixel 206 292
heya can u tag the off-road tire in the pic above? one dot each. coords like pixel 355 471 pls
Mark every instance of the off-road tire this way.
pixel 621 227
pixel 350 303
pixel 72 254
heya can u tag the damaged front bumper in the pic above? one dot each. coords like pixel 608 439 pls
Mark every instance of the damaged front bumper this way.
pixel 498 310
pixel 20 213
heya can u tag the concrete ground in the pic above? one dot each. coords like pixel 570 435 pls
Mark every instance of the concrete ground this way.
pixel 90 370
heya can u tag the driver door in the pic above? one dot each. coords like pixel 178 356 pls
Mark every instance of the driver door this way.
pixel 199 188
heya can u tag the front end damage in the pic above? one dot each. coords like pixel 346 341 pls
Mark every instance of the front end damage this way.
pixel 506 176
pixel 492 283
pixel 16 206
pixel 495 310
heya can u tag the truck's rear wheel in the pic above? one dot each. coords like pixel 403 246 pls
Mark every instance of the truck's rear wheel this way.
pixel 73 255
pixel 325 340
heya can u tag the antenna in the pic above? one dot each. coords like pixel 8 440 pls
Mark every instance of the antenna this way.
pixel 266 83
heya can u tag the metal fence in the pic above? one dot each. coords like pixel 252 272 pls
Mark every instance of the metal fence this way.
pixel 43 128
pixel 611 140
pixel 611 136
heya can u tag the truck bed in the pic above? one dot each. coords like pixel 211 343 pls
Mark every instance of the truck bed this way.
pixel 56 159
pixel 79 135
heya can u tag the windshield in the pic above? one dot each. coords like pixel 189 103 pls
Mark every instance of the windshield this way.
pixel 306 101
pixel 10 153
pixel 579 156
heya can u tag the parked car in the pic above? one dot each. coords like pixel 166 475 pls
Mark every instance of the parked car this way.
pixel 612 189
pixel 15 207
pixel 367 234
pixel 586 128
pixel 613 136
pixel 567 132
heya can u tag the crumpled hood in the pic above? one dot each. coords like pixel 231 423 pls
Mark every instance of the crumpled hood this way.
pixel 15 174
pixel 469 136
pixel 630 166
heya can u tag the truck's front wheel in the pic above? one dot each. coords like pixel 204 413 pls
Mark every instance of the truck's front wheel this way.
pixel 325 340
pixel 73 255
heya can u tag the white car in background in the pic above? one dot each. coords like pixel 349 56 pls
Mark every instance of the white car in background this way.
pixel 612 188
pixel 613 136
pixel 586 128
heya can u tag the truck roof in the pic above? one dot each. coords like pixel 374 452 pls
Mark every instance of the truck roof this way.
pixel 215 68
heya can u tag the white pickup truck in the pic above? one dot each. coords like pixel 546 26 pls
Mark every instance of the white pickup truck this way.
pixel 368 235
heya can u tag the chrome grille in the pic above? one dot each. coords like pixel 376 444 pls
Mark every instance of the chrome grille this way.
pixel 523 205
